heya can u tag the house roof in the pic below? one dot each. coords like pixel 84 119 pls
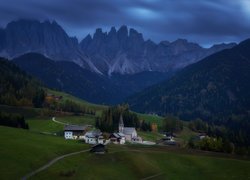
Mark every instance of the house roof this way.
pixel 128 130
pixel 74 128
pixel 121 134
pixel 118 135
pixel 115 135
pixel 98 148
pixel 93 134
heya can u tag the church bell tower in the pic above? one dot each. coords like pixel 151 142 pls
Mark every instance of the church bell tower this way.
pixel 121 124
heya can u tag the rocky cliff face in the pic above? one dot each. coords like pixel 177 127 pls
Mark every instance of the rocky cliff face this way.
pixel 126 52
pixel 46 38
pixel 122 51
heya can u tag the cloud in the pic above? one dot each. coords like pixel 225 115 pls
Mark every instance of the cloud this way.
pixel 202 21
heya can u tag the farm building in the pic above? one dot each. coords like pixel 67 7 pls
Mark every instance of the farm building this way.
pixel 74 132
pixel 94 137
pixel 98 149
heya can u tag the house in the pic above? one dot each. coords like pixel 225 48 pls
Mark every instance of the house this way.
pixel 74 131
pixel 129 132
pixel 98 149
pixel 117 138
pixel 94 137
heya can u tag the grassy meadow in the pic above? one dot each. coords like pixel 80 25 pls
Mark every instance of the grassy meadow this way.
pixel 23 151
pixel 138 163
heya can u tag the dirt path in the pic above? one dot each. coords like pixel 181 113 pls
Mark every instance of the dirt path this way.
pixel 54 119
pixel 51 163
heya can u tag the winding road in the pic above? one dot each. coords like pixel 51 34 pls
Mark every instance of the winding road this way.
pixel 54 119
pixel 51 163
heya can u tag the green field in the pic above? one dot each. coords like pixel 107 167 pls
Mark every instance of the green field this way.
pixel 150 136
pixel 45 125
pixel 138 163
pixel 79 120
pixel 23 151
pixel 151 118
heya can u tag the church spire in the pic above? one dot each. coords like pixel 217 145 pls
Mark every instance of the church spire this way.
pixel 121 124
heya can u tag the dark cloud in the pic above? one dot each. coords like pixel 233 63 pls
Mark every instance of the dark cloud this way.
pixel 202 21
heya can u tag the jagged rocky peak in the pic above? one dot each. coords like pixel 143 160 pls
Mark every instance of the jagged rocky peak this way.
pixel 86 41
pixel 112 31
pixel 48 38
pixel 133 34
pixel 149 42
pixel 99 34
pixel 121 50
pixel 88 38
pixel 122 33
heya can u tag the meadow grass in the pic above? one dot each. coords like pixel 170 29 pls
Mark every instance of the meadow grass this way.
pixel 44 124
pixel 78 120
pixel 150 136
pixel 77 100
pixel 125 162
pixel 151 118
pixel 23 151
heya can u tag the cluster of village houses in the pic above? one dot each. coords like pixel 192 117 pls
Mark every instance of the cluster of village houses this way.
pixel 124 134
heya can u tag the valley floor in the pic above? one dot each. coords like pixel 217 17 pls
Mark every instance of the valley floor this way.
pixel 128 162
pixel 24 151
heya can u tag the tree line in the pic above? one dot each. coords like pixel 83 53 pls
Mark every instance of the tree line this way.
pixel 109 120
pixel 13 120
pixel 231 137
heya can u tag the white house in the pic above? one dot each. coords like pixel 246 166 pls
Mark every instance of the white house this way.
pixel 117 138
pixel 74 131
pixel 94 137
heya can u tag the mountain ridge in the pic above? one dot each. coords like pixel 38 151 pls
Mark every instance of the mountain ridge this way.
pixel 122 51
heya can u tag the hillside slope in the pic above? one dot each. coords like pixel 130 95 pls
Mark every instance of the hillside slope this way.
pixel 214 88
pixel 16 87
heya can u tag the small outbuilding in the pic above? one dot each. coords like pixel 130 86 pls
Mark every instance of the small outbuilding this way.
pixel 98 149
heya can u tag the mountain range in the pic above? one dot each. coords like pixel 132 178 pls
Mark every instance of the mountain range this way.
pixel 122 51
pixel 71 78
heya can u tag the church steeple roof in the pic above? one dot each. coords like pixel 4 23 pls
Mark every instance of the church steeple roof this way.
pixel 121 120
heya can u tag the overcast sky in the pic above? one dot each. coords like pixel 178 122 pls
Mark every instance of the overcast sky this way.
pixel 203 21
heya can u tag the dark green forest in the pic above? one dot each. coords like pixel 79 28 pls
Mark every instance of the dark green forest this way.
pixel 17 88
pixel 109 120
pixel 13 120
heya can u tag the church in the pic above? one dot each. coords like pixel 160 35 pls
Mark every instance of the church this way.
pixel 129 132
